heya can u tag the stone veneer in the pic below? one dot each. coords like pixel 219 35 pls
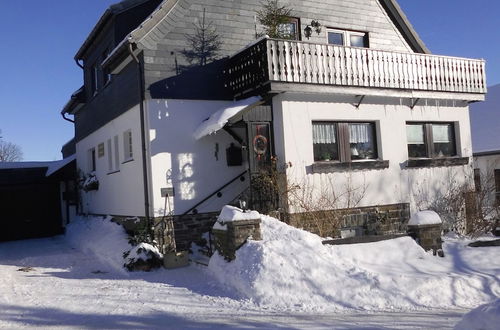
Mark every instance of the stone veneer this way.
pixel 372 220
pixel 228 241
pixel 428 237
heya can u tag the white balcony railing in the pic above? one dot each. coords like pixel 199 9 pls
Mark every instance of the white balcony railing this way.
pixel 305 62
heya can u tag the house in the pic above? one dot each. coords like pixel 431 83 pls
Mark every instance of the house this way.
pixel 348 112
pixel 485 120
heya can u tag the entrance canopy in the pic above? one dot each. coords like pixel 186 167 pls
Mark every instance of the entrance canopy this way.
pixel 221 117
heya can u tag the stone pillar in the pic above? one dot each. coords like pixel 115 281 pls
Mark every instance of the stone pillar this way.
pixel 230 236
pixel 428 236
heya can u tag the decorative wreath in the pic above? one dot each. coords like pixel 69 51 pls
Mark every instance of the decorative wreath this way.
pixel 260 144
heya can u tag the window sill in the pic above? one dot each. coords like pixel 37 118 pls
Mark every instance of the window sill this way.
pixel 128 160
pixel 113 172
pixel 329 166
pixel 437 162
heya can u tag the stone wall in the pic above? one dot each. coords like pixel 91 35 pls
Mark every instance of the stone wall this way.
pixel 372 220
pixel 229 240
pixel 428 237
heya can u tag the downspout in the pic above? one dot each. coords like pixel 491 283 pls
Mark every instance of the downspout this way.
pixel 78 63
pixel 63 114
pixel 143 138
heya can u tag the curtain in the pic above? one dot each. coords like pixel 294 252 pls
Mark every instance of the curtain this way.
pixel 441 133
pixel 415 134
pixel 359 133
pixel 324 133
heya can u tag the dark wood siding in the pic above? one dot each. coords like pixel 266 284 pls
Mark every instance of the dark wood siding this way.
pixel 121 94
pixel 29 203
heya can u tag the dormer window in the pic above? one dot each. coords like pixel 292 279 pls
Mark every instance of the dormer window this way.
pixel 347 38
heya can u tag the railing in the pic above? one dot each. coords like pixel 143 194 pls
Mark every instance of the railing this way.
pixel 272 60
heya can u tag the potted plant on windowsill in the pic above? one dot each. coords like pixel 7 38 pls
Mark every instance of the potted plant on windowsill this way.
pixel 326 156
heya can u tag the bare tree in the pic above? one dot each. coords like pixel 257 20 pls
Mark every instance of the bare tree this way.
pixel 10 152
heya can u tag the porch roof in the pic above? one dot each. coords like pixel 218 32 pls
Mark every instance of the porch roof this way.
pixel 221 117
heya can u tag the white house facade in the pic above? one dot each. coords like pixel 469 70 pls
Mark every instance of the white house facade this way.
pixel 358 110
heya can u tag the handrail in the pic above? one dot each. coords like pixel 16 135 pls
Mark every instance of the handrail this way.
pixel 215 192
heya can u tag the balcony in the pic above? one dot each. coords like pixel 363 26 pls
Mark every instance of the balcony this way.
pixel 285 65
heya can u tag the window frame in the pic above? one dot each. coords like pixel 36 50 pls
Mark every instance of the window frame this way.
pixel 296 22
pixel 92 164
pixel 343 141
pixel 346 35
pixel 429 139
pixel 128 152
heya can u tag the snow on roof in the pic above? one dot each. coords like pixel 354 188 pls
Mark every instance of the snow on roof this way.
pixel 52 166
pixel 427 217
pixel 218 119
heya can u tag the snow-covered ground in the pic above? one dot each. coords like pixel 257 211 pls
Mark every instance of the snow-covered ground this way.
pixel 76 281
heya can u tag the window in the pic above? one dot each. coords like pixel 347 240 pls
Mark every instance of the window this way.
pixel 106 75
pixel 347 38
pixel 127 145
pixel 497 185
pixel 94 79
pixel 477 179
pixel 110 156
pixel 290 30
pixel 431 140
pixel 113 155
pixel 100 150
pixel 91 159
pixel 117 154
pixel 344 142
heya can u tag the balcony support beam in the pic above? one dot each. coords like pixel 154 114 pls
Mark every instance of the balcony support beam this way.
pixel 370 91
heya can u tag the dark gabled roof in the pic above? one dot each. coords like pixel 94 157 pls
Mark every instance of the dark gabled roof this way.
pixel 404 26
pixel 113 10
pixel 392 8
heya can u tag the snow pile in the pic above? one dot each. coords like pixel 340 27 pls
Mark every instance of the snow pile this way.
pixel 218 119
pixel 292 269
pixel 427 217
pixel 484 317
pixel 231 213
pixel 107 240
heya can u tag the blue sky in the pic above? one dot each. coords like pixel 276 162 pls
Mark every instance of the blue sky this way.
pixel 40 38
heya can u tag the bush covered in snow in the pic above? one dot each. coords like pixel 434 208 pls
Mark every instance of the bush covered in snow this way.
pixel 143 256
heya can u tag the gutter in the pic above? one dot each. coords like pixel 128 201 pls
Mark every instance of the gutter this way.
pixel 145 175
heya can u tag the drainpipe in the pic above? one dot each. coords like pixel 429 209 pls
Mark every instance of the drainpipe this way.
pixel 78 63
pixel 63 114
pixel 143 138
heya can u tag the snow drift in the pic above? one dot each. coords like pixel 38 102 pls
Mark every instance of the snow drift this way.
pixel 484 317
pixel 98 236
pixel 292 269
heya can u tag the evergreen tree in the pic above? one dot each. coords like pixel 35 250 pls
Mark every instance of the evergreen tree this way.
pixel 272 16
pixel 205 44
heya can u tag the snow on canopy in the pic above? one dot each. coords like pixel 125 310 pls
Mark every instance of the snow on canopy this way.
pixel 52 166
pixel 218 119
pixel 426 217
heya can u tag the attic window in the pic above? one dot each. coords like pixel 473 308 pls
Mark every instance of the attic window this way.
pixel 347 38
pixel 291 29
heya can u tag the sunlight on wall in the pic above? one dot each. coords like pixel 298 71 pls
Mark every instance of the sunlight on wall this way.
pixel 187 188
